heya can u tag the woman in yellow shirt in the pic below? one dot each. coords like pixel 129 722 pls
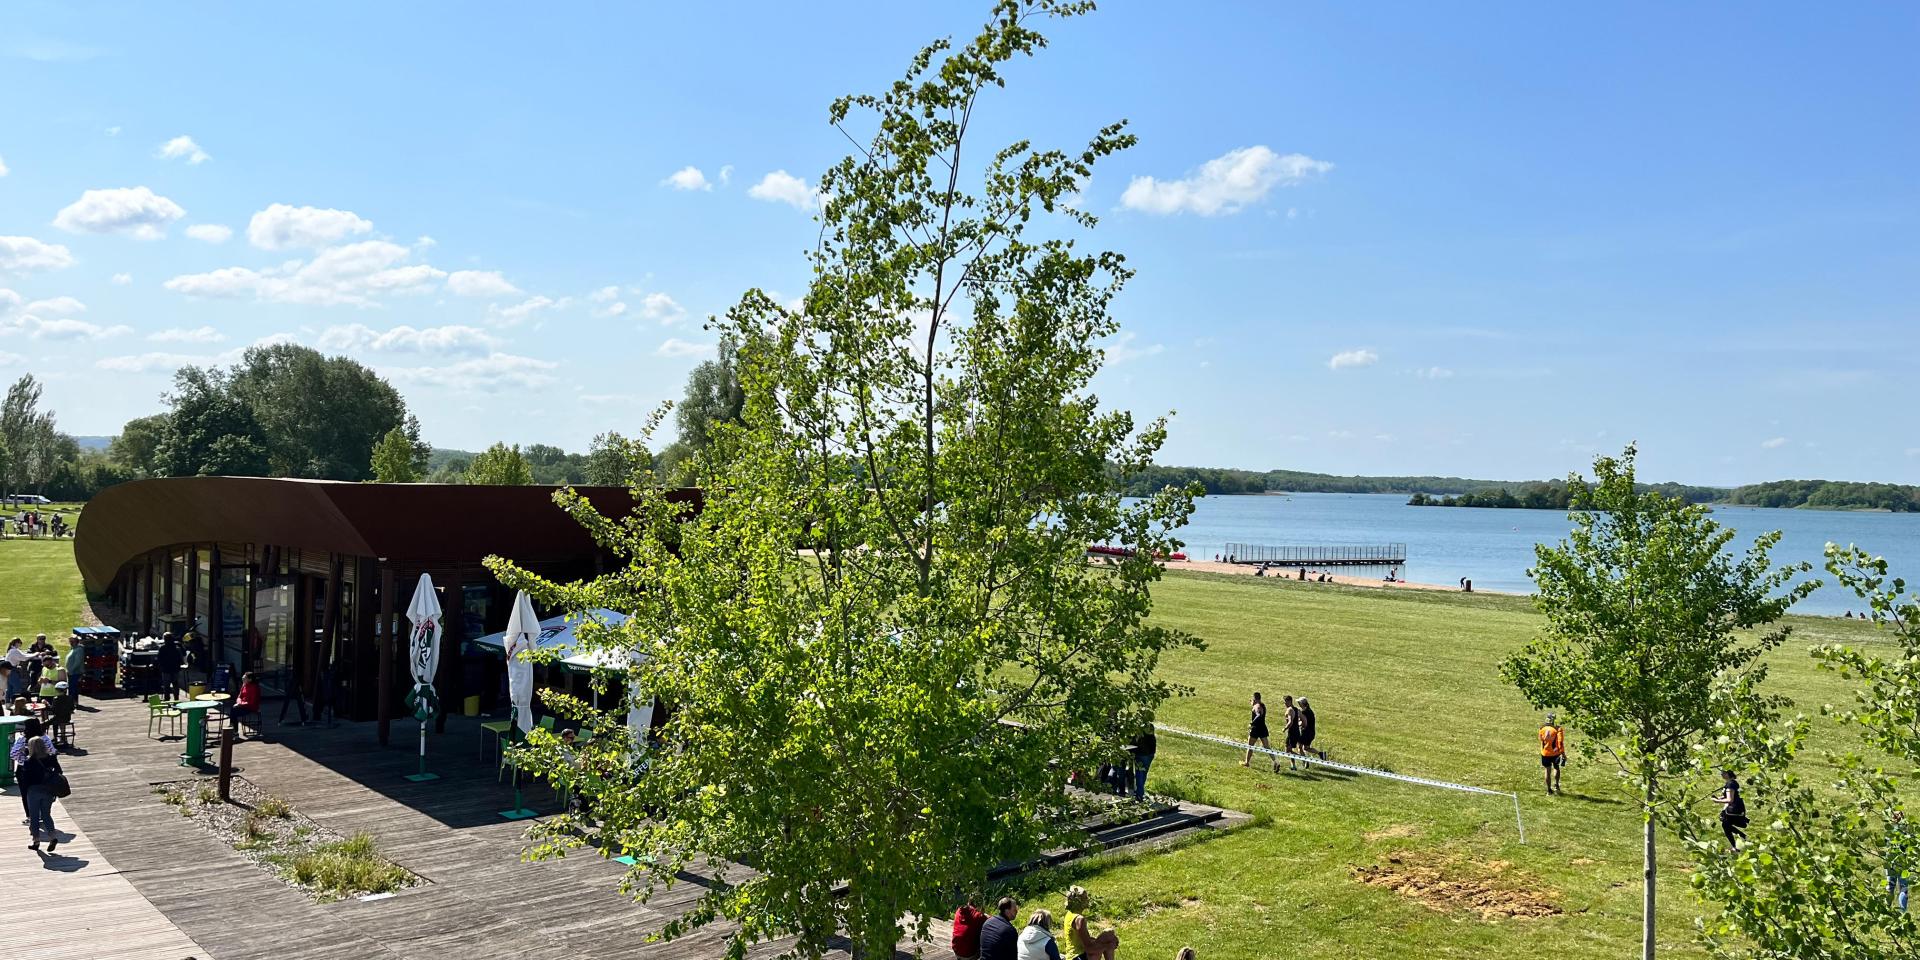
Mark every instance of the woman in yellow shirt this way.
pixel 1080 936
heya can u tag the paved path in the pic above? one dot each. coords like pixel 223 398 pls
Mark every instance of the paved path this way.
pixel 91 910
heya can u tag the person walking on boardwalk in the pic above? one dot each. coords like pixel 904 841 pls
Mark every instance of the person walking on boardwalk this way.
pixel 1308 729
pixel 168 660
pixel 1257 733
pixel 1553 753
pixel 1733 810
pixel 38 779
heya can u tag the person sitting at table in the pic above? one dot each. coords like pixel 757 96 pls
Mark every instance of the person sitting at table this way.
pixel 248 702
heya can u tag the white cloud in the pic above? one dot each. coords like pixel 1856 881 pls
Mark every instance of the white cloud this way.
pixel 1383 437
pixel 3 166
pixel 491 372
pixel 1433 373
pixel 519 312
pixel 1774 443
pixel 282 227
pixel 201 334
pixel 1121 349
pixel 659 306
pixel 56 306
pixel 21 254
pixel 453 340
pixel 1225 184
pixel 8 298
pixel 687 178
pixel 783 187
pixel 60 328
pixel 182 147
pixel 210 232
pixel 122 279
pixel 479 283
pixel 135 211
pixel 1353 358
pixel 606 294
pixel 149 362
pixel 353 275
pixel 726 174
pixel 676 347
pixel 112 131
pixel 11 359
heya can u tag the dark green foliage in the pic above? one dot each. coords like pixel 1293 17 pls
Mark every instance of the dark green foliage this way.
pixel 1829 495
pixel 1428 491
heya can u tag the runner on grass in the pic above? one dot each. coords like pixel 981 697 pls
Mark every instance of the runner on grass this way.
pixel 1553 753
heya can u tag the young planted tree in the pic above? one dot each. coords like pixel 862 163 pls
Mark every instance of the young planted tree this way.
pixel 884 649
pixel 1648 620
pixel 1820 872
pixel 500 465
pixel 392 459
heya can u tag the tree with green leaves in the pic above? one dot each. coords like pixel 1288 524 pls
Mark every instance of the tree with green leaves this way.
pixel 318 416
pixel 500 465
pixel 137 448
pixel 614 460
pixel 1648 620
pixel 393 458
pixel 32 442
pixel 885 650
pixel 1816 876
pixel 210 432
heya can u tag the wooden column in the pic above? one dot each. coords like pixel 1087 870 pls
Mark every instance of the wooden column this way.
pixel 449 681
pixel 216 611
pixel 388 636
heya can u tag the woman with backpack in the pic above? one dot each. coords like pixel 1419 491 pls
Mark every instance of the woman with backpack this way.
pixel 41 780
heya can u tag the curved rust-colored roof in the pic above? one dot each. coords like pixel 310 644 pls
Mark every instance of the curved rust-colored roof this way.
pixel 398 521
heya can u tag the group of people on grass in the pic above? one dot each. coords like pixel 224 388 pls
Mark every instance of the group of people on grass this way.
pixel 1903 854
pixel 978 935
pixel 33 523
pixel 1300 731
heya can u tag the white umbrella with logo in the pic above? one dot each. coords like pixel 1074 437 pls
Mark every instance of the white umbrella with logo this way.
pixel 423 659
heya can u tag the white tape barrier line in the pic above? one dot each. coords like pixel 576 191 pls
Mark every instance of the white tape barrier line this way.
pixel 1350 768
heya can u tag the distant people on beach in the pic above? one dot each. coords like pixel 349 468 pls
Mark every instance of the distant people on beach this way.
pixel 1257 732
pixel 1733 809
pixel 1466 585
pixel 1553 752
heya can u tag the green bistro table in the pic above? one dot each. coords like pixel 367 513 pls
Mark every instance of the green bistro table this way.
pixel 196 711
pixel 8 727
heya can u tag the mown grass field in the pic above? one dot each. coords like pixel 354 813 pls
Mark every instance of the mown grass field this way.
pixel 1402 680
pixel 40 588
pixel 1406 681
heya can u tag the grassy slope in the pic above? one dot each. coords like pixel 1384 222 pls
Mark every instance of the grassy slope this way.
pixel 1406 681
pixel 39 589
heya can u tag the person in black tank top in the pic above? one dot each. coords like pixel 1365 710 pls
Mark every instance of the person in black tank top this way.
pixel 1257 732
pixel 1733 809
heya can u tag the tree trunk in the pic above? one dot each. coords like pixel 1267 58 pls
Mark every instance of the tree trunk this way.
pixel 1647 894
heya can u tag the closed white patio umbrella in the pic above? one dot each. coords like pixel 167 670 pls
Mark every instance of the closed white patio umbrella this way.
pixel 523 636
pixel 423 659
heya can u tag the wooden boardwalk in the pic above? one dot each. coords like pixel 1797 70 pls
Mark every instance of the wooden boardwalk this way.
pixel 90 908
pixel 481 901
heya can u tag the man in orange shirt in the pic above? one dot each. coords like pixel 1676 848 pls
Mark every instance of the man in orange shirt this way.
pixel 1553 752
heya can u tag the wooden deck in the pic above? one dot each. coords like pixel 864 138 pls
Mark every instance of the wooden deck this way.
pixel 481 900
pixel 93 910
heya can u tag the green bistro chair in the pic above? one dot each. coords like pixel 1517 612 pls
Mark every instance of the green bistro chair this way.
pixel 158 711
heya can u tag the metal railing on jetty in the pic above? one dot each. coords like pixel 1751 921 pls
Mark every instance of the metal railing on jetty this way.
pixel 1333 555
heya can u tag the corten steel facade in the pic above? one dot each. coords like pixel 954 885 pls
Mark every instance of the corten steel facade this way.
pixel 307 581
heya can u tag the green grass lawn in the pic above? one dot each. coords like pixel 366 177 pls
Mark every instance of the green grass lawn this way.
pixel 1406 681
pixel 40 589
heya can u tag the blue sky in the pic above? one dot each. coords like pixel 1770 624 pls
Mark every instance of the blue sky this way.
pixel 1377 239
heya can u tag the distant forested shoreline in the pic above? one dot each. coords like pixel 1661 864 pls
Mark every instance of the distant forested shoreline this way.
pixel 1428 491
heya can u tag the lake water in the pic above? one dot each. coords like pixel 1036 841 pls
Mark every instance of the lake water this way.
pixel 1495 547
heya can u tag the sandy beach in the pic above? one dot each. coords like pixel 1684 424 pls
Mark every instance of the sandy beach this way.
pixel 1292 573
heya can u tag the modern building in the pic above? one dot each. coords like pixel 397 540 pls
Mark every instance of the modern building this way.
pixel 307 581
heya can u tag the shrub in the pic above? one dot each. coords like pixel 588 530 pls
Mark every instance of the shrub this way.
pixel 346 868
pixel 272 806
